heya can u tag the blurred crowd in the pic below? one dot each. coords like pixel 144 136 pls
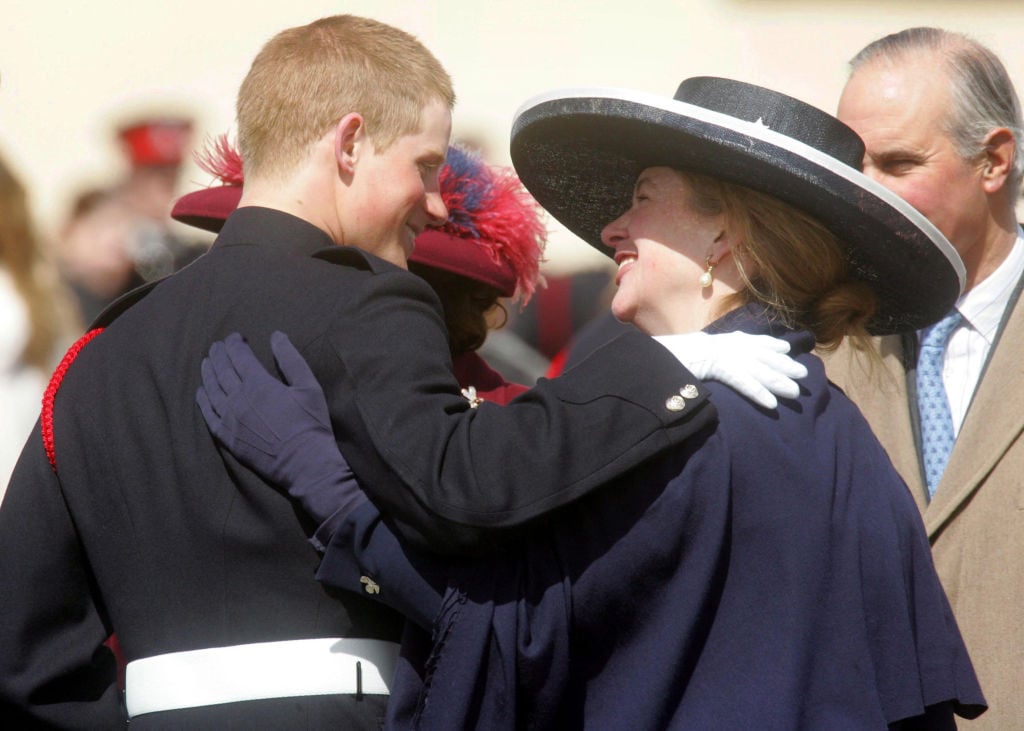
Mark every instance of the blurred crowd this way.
pixel 113 237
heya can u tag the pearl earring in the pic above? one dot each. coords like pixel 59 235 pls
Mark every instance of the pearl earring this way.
pixel 706 279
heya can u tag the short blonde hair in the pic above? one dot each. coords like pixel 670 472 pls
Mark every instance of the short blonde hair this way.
pixel 788 260
pixel 306 79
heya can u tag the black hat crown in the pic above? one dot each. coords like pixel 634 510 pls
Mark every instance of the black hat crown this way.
pixel 778 112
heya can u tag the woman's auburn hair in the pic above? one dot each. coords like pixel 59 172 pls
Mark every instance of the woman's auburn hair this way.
pixel 788 260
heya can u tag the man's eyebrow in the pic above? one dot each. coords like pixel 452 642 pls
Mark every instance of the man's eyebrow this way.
pixel 894 153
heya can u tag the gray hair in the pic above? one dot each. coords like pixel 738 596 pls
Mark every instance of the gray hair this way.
pixel 981 92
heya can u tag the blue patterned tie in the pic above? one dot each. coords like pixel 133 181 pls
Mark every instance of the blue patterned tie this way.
pixel 936 423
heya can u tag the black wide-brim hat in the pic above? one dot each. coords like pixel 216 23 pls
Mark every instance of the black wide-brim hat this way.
pixel 579 153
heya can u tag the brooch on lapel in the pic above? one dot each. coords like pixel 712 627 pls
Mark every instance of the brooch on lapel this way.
pixel 470 395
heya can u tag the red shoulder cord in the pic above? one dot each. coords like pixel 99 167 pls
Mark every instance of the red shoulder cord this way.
pixel 51 392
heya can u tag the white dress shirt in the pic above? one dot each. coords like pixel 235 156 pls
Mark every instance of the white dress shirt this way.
pixel 982 308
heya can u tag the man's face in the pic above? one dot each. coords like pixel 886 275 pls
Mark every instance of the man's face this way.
pixel 396 193
pixel 899 111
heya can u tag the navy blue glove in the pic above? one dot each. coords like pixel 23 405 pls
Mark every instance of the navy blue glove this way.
pixel 281 431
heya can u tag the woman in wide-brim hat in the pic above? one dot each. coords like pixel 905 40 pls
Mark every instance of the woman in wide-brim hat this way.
pixel 774 572
pixel 580 154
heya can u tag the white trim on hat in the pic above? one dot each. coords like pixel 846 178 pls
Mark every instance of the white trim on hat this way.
pixel 763 133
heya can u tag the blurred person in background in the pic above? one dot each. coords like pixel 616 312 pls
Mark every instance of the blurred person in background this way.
pixel 941 122
pixel 118 237
pixel 37 320
pixel 156 148
pixel 94 250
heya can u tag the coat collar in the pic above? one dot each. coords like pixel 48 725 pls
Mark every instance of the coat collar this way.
pixel 272 229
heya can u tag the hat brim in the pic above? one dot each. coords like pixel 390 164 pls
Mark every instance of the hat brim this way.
pixel 580 151
pixel 463 256
pixel 207 208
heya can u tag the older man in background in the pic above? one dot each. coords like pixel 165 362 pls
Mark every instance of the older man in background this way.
pixel 940 121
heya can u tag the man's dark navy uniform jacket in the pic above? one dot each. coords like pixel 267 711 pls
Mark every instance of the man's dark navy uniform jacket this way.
pixel 145 528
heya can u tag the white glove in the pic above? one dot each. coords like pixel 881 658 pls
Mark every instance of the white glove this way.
pixel 754 365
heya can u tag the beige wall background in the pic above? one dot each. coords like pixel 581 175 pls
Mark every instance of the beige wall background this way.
pixel 70 70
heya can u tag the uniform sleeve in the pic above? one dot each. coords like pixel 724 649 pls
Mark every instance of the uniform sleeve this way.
pixel 55 671
pixel 364 555
pixel 444 470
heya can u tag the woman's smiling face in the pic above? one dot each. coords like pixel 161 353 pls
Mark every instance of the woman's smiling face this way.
pixel 661 247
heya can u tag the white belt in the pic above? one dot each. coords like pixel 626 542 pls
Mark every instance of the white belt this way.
pixel 262 670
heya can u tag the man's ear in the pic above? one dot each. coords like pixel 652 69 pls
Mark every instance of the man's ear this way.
pixel 349 138
pixel 1000 149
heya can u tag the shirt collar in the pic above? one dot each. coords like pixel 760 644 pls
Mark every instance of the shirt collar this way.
pixel 983 306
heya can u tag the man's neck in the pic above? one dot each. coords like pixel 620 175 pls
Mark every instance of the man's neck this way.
pixel 297 195
pixel 992 250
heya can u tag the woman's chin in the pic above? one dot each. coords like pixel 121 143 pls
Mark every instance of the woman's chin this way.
pixel 624 313
pixel 646 325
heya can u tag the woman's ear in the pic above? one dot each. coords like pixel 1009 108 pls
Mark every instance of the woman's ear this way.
pixel 722 246
pixel 729 244
pixel 349 139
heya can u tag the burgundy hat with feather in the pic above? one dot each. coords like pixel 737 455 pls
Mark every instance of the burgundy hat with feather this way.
pixel 494 233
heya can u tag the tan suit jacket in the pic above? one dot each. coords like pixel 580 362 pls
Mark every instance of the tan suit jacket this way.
pixel 976 520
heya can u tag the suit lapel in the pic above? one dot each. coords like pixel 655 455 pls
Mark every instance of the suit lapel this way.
pixel 993 422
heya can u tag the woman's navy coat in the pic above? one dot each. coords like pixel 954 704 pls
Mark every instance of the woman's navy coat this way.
pixel 772 573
